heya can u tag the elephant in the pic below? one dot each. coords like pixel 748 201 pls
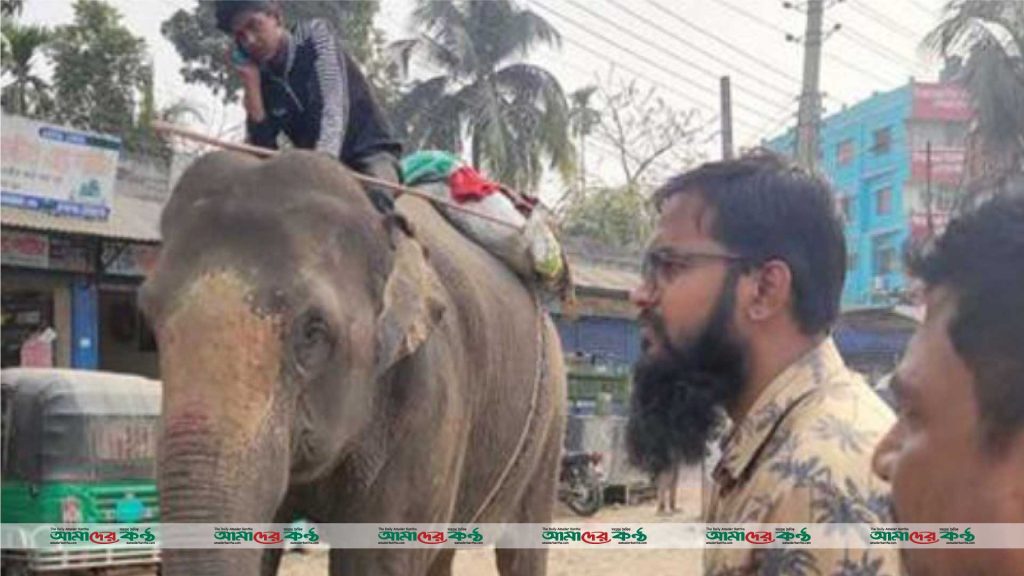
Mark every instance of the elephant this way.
pixel 324 360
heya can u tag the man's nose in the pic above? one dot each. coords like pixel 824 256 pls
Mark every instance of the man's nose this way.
pixel 884 459
pixel 642 296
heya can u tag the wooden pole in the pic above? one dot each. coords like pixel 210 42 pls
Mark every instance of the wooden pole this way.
pixel 174 130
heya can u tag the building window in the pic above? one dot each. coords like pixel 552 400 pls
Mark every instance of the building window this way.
pixel 844 152
pixel 882 141
pixel 883 201
pixel 885 259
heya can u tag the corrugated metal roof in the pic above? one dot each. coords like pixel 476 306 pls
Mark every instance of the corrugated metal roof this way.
pixel 130 219
pixel 599 276
pixel 139 220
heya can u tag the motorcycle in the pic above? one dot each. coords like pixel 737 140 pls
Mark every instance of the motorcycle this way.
pixel 580 482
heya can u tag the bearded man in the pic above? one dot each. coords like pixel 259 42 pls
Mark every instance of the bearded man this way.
pixel 741 286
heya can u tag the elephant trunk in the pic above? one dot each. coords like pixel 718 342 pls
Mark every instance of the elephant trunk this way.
pixel 223 454
pixel 203 481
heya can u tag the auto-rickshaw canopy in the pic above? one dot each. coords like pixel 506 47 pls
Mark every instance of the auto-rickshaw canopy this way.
pixel 78 425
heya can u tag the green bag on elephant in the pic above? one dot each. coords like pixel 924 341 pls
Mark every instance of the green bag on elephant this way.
pixel 428 166
pixel 530 248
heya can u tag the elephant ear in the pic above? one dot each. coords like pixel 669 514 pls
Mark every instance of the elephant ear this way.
pixel 414 303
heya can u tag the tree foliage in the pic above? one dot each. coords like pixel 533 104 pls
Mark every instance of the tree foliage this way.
pixel 990 36
pixel 100 70
pixel 582 120
pixel 203 47
pixel 513 114
pixel 27 93
pixel 648 140
pixel 11 7
pixel 618 216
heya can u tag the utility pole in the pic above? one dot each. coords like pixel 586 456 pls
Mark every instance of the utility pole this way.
pixel 928 189
pixel 726 116
pixel 583 160
pixel 809 115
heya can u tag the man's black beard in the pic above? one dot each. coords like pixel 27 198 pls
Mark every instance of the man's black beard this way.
pixel 679 393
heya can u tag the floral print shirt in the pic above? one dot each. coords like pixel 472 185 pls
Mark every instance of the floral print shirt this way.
pixel 803 454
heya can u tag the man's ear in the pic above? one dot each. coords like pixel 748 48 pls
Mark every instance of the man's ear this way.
pixel 414 303
pixel 773 290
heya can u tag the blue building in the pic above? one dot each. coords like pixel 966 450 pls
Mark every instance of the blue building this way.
pixel 893 159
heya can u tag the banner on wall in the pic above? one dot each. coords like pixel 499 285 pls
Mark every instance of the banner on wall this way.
pixel 55 169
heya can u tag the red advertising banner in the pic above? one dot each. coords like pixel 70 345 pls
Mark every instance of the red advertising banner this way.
pixel 25 249
pixel 947 165
pixel 941 102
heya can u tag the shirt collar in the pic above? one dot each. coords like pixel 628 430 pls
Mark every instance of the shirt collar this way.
pixel 798 380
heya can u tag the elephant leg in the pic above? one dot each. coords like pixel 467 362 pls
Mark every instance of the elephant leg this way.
pixel 270 561
pixel 536 507
pixel 442 565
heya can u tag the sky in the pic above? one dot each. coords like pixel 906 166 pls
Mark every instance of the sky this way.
pixel 679 47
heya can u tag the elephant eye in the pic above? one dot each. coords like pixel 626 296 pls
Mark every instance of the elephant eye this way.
pixel 312 341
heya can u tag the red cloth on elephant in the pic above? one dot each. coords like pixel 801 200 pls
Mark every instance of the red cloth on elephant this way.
pixel 467 184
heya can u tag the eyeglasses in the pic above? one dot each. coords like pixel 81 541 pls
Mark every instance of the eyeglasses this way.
pixel 661 264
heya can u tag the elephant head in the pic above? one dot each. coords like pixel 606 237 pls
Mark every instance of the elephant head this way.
pixel 280 301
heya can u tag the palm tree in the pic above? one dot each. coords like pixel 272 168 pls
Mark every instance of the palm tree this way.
pixel 990 33
pixel 26 93
pixel 11 7
pixel 513 113
pixel 582 120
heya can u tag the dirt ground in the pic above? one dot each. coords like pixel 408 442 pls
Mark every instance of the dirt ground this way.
pixel 561 562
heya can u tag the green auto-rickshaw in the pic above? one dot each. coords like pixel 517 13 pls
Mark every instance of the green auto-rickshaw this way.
pixel 78 447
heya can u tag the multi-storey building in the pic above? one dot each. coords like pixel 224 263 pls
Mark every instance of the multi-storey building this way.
pixel 896 162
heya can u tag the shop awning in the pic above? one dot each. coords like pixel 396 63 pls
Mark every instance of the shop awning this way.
pixel 130 219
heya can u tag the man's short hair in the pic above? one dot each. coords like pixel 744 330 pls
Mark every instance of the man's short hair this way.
pixel 226 10
pixel 981 259
pixel 764 208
